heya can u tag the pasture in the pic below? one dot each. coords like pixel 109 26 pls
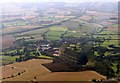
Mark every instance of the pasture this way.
pixel 58 29
pixel 106 32
pixel 52 38
pixel 55 33
pixel 73 34
pixel 18 29
pixel 32 35
pixel 7 59
pixel 79 25
pixel 15 23
pixel 110 37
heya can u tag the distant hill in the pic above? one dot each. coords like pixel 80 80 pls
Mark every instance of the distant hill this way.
pixel 105 7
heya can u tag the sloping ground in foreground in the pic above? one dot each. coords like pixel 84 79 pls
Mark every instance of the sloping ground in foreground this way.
pixel 35 71
pixel 73 76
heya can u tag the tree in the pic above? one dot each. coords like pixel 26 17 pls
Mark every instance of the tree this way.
pixel 18 73
pixel 104 68
pixel 93 80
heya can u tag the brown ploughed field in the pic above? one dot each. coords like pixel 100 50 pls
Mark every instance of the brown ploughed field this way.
pixel 8 71
pixel 7 41
pixel 36 71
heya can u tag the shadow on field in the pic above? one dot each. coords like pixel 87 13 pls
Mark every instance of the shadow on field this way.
pixel 57 67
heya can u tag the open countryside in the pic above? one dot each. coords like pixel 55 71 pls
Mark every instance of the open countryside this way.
pixel 60 41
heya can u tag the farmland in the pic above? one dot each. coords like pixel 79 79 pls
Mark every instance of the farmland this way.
pixel 15 23
pixel 86 18
pixel 32 69
pixel 7 41
pixel 73 76
pixel 73 34
pixel 9 71
pixel 55 33
pixel 106 32
pixel 17 29
pixel 7 59
pixel 36 34
pixel 59 42
pixel 58 29
pixel 109 36
pixel 46 75
pixel 79 25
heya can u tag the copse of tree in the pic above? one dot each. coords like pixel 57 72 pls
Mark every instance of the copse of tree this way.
pixel 104 68
pixel 101 50
pixel 24 58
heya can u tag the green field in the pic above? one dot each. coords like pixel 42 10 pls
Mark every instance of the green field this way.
pixel 8 59
pixel 73 34
pixel 33 35
pixel 45 57
pixel 12 58
pixel 79 25
pixel 58 29
pixel 52 38
pixel 106 32
pixel 54 33
pixel 106 36
pixel 109 42
pixel 13 30
pixel 36 32
pixel 15 23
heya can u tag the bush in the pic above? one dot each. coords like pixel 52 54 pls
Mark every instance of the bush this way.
pixel 93 80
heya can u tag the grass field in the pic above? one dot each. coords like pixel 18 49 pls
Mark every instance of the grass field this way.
pixel 36 32
pixel 16 29
pixel 55 33
pixel 106 32
pixel 58 29
pixel 74 34
pixel 45 57
pixel 79 25
pixel 106 43
pixel 52 38
pixel 107 36
pixel 7 59
pixel 15 23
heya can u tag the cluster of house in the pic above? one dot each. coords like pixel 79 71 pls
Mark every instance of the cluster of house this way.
pixel 69 52
pixel 49 50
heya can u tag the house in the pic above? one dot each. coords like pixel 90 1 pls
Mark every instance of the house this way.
pixel 45 47
pixel 49 50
